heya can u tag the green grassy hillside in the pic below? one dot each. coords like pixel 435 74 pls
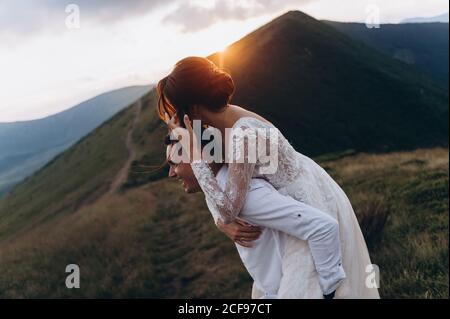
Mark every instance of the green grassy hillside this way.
pixel 401 201
pixel 76 177
pixel 26 146
pixel 157 241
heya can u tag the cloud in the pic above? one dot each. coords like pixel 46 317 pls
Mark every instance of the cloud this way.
pixel 31 16
pixel 192 17
pixel 25 17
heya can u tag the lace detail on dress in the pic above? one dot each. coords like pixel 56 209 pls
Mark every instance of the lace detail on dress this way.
pixel 248 140
pixel 288 167
pixel 241 165
pixel 295 174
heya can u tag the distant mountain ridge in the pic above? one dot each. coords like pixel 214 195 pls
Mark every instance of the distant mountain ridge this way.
pixel 27 145
pixel 421 45
pixel 444 18
pixel 328 92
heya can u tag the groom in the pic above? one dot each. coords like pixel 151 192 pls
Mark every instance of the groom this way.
pixel 265 206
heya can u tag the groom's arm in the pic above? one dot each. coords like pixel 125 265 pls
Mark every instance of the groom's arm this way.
pixel 240 232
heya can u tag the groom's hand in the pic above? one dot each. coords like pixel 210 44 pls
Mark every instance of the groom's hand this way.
pixel 240 231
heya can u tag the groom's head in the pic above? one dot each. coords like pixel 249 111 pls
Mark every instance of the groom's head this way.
pixel 182 170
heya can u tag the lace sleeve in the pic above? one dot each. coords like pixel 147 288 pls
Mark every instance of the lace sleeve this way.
pixel 230 200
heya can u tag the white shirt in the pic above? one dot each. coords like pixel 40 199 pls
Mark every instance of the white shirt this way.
pixel 280 215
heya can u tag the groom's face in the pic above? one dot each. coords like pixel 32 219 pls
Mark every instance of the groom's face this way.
pixel 183 172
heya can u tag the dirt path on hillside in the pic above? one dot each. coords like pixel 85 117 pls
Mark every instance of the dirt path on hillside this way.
pixel 122 175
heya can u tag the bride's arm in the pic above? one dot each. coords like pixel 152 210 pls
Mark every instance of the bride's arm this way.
pixel 240 232
pixel 229 201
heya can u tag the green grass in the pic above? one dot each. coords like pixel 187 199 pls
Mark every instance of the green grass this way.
pixel 77 176
pixel 148 138
pixel 153 240
pixel 401 201
pixel 156 241
pixel 131 245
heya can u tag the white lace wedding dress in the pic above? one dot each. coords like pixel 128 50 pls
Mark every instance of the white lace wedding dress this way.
pixel 301 178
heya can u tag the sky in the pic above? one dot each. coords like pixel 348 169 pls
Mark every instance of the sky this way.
pixel 55 54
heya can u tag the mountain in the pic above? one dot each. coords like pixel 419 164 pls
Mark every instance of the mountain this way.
pixel 104 204
pixel 421 45
pixel 439 18
pixel 330 93
pixel 27 145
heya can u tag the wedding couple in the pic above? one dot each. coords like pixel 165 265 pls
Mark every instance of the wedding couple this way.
pixel 298 236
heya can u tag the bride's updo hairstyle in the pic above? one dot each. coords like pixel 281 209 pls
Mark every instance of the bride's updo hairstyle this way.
pixel 194 81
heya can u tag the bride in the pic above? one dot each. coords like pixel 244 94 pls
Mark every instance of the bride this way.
pixel 197 89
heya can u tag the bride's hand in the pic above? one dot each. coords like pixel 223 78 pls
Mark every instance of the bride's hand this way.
pixel 240 231
pixel 172 122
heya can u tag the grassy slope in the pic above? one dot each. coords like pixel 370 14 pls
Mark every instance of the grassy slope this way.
pixel 118 241
pixel 131 245
pixel 27 153
pixel 143 243
pixel 69 180
pixel 411 190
